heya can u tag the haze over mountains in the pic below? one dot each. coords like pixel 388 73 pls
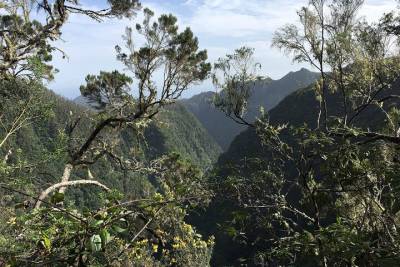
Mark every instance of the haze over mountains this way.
pixel 267 94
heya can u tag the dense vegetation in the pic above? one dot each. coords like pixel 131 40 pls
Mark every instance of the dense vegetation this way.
pixel 175 130
pixel 128 178
pixel 314 182
pixel 50 147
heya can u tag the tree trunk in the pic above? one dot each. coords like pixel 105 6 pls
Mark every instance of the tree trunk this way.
pixel 66 175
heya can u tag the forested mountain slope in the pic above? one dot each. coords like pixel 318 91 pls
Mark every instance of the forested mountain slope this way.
pixel 175 130
pixel 301 107
pixel 297 109
pixel 267 94
pixel 178 130
pixel 183 133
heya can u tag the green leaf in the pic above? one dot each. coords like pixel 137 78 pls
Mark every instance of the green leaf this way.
pixel 118 229
pixel 105 237
pixel 95 243
pixel 96 223
pixel 46 243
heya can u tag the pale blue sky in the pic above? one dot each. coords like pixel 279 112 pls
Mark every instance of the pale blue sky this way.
pixel 221 26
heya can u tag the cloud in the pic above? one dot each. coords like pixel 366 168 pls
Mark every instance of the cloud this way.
pixel 221 26
pixel 247 18
pixel 373 10
pixel 240 18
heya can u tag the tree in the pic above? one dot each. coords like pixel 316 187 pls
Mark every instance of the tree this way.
pixel 148 231
pixel 19 107
pixel 326 196
pixel 165 49
pixel 118 232
pixel 234 76
pixel 26 50
pixel 26 43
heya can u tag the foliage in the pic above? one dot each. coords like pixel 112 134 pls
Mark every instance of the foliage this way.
pixel 235 77
pixel 322 196
pixel 137 231
pixel 53 227
pixel 26 43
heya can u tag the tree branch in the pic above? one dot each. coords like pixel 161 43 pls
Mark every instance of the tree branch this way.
pixel 53 188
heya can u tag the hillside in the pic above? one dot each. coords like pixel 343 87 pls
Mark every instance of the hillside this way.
pixel 183 133
pixel 177 130
pixel 267 93
pixel 300 107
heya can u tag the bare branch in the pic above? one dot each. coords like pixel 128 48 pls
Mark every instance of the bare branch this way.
pixel 54 187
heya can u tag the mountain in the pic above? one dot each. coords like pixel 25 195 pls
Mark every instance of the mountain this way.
pixel 179 131
pixel 296 109
pixel 220 127
pixel 174 130
pixel 267 93
pixel 302 107
pixel 183 133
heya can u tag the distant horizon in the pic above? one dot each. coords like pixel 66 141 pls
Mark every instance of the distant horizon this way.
pixel 221 27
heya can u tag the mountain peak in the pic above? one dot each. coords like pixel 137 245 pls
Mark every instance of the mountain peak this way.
pixel 304 70
pixel 302 77
pixel 300 72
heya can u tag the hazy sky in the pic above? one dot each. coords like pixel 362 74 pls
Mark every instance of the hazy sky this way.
pixel 221 26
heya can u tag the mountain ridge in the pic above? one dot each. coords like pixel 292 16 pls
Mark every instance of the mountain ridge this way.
pixel 267 93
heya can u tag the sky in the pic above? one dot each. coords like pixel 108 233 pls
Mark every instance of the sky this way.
pixel 220 25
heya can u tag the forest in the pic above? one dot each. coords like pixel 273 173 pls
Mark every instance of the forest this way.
pixel 298 171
